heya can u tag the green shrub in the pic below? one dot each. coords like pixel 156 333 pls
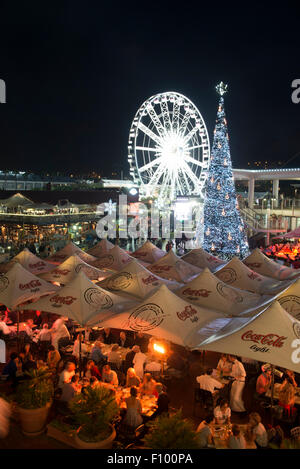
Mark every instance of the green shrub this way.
pixel 35 390
pixel 94 410
pixel 171 433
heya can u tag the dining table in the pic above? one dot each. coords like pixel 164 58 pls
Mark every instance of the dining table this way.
pixel 221 435
pixel 148 402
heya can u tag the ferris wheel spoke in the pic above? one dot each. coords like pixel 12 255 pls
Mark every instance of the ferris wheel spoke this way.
pixel 191 175
pixel 155 119
pixel 147 149
pixel 195 147
pixel 189 159
pixel 175 121
pixel 166 116
pixel 185 179
pixel 184 123
pixel 191 134
pixel 151 164
pixel 156 176
pixel 149 132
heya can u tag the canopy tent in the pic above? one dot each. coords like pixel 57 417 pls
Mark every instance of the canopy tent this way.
pixel 114 260
pixel 208 291
pixel 203 259
pixel 291 234
pixel 261 264
pixel 18 285
pixel 238 275
pixel 101 248
pixel 166 316
pixel 172 267
pixel 289 299
pixel 65 272
pixel 69 250
pixel 81 300
pixel 29 261
pixel 272 336
pixel 136 280
pixel 17 200
pixel 148 252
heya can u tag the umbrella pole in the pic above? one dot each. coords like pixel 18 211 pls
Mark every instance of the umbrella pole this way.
pixel 80 339
pixel 18 327
pixel 272 393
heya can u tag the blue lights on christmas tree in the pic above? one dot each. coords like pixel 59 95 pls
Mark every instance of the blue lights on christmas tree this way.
pixel 224 231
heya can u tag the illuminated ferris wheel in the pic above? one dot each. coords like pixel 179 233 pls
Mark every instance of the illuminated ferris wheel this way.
pixel 168 148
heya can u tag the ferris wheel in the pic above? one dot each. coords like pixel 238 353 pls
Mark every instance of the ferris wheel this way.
pixel 168 148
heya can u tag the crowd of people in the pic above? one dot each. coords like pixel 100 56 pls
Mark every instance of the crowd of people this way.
pixel 285 252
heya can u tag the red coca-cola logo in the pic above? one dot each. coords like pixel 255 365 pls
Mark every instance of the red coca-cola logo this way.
pixel 60 271
pixel 162 268
pixel 188 312
pixel 201 292
pixel 148 280
pixel 268 339
pixel 37 265
pixel 254 276
pixel 30 285
pixel 253 265
pixel 62 300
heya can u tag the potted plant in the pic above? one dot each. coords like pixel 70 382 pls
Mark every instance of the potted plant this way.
pixel 34 398
pixel 94 411
pixel 171 433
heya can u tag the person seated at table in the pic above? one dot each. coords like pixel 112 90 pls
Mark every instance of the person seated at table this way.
pixel 142 341
pixel 236 439
pixel 30 364
pixel 109 376
pixel 124 341
pixel 162 402
pixel 256 431
pixel 96 353
pixel 53 358
pixel 108 337
pixel 222 412
pixel 138 361
pixel 44 335
pixel 92 370
pixel 153 367
pixel 148 386
pixel 205 432
pixel 76 348
pixel 113 357
pixel 128 362
pixel 70 389
pixel 263 382
pixel 224 365
pixel 208 383
pixel 132 379
pixel 25 353
pixel 66 374
pixel 29 328
pixel 133 417
pixel 10 369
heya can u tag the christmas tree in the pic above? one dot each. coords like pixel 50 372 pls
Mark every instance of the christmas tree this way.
pixel 224 233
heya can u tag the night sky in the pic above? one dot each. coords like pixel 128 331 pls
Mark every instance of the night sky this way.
pixel 76 73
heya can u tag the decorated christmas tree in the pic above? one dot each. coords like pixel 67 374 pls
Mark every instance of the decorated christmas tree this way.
pixel 224 233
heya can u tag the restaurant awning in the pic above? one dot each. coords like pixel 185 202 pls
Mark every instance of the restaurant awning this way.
pixel 81 300
pixel 29 261
pixel 19 285
pixel 148 252
pixel 203 259
pixel 134 279
pixel 272 336
pixel 67 251
pixel 260 263
pixel 173 267
pixel 238 275
pixel 101 248
pixel 115 259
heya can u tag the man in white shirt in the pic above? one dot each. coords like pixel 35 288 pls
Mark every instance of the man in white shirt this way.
pixel 66 374
pixel 109 376
pixel 208 383
pixel 239 374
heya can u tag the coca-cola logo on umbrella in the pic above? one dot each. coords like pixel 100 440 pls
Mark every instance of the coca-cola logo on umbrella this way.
pixel 120 281
pixel 150 280
pixel 272 340
pixel 229 293
pixel 227 275
pixel 194 294
pixel 58 301
pixel 253 265
pixel 98 298
pixel 56 273
pixel 33 286
pixel 146 318
pixel 105 261
pixel 4 282
pixel 291 303
pixel 37 265
pixel 89 271
pixel 188 313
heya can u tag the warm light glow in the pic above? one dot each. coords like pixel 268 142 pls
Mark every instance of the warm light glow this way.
pixel 159 348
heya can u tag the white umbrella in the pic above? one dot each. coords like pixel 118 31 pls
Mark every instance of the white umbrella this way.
pixel 114 260
pixel 69 250
pixel 203 259
pixel 29 261
pixel 148 252
pixel 101 248
pixel 173 267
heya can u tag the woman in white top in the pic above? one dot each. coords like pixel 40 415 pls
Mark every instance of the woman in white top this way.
pixel 138 362
pixel 222 413
pixel 257 431
pixel 239 374
pixel 133 417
